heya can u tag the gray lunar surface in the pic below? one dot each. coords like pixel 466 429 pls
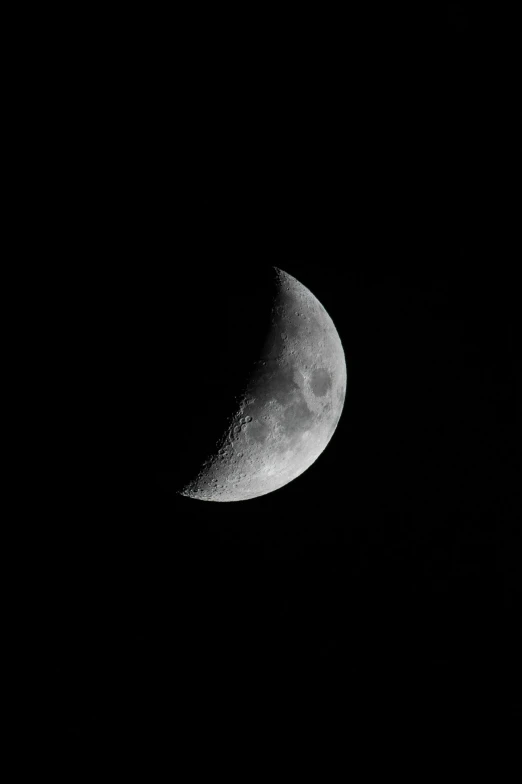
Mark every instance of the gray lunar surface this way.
pixel 288 410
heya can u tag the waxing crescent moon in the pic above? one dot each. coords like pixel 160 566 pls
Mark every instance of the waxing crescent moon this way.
pixel 289 407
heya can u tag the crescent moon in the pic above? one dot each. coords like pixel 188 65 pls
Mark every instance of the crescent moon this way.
pixel 289 408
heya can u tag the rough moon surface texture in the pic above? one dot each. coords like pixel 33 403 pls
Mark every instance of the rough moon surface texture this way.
pixel 288 410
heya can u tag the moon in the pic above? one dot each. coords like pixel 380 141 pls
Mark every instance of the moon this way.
pixel 288 409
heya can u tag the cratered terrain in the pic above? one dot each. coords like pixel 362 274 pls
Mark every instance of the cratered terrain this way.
pixel 286 410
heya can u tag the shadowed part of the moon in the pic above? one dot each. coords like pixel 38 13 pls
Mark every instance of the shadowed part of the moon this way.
pixel 275 345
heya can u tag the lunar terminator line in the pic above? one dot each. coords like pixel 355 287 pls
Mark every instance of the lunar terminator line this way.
pixel 289 408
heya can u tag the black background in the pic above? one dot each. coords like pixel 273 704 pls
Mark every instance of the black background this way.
pixel 370 157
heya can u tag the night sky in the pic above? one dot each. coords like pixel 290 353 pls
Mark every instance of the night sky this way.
pixel 369 159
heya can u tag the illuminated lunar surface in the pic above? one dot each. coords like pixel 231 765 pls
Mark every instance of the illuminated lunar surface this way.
pixel 289 408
